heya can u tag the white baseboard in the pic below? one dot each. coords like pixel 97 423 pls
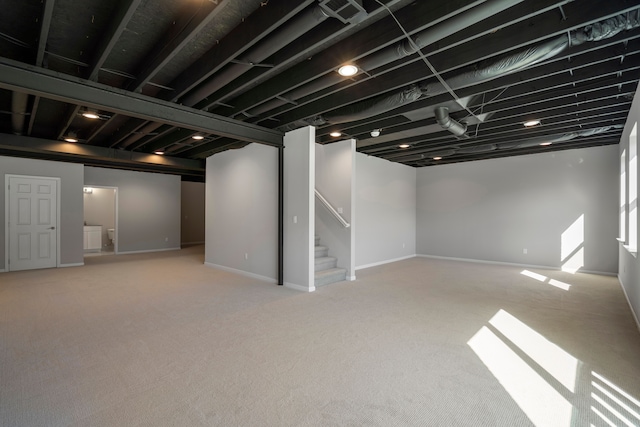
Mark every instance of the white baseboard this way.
pixel 351 278
pixel 360 267
pixel 192 243
pixel 624 291
pixel 76 264
pixel 241 272
pixel 299 287
pixel 513 264
pixel 144 251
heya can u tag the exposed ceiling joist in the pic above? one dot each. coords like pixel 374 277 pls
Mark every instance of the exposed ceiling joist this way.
pixel 21 77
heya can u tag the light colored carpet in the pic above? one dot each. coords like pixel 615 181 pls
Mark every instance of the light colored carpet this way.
pixel 161 340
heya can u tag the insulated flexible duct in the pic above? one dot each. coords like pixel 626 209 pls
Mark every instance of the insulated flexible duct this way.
pixel 483 71
pixel 553 139
pixel 394 52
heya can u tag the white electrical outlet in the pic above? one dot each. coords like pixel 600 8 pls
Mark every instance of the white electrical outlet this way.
pixel 340 210
pixel 166 239
pixel 524 251
pixel 295 219
pixel 246 256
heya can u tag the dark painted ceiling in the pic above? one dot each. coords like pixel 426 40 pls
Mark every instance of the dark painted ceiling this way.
pixel 158 72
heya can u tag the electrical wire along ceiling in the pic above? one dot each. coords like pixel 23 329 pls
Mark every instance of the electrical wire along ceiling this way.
pixel 161 85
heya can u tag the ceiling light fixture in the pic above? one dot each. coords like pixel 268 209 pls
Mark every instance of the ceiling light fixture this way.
pixel 90 115
pixel 348 70
pixel 545 143
pixel 437 158
pixel 335 134
pixel 404 145
pixel 375 133
pixel 159 152
pixel 71 137
pixel 531 123
pixel 197 137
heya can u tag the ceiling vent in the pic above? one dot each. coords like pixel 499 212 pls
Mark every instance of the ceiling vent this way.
pixel 347 11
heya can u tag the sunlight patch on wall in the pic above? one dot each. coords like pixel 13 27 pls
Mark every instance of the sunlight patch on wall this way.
pixel 538 399
pixel 623 196
pixel 572 246
pixel 633 190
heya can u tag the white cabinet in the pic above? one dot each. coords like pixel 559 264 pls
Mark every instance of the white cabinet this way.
pixel 92 237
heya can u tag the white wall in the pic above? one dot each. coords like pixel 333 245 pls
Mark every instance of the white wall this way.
pixel 385 213
pixel 192 208
pixel 148 208
pixel 299 181
pixel 629 266
pixel 71 221
pixel 335 176
pixel 492 210
pixel 242 211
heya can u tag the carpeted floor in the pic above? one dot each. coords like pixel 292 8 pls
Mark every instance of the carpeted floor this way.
pixel 161 340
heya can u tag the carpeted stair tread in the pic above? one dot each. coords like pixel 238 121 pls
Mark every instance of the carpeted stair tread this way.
pixel 331 275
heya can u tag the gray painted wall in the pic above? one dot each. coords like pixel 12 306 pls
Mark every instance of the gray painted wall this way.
pixel 71 220
pixel 335 176
pixel 385 217
pixel 148 208
pixel 242 211
pixel 491 210
pixel 192 216
pixel 299 181
pixel 629 266
pixel 100 209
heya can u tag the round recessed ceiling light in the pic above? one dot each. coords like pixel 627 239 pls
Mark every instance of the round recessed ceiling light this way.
pixel 531 123
pixel 437 158
pixel 348 70
pixel 71 138
pixel 545 143
pixel 404 145
pixel 197 137
pixel 159 152
pixel 90 115
pixel 335 134
pixel 375 133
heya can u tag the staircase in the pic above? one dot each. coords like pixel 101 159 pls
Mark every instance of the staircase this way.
pixel 326 271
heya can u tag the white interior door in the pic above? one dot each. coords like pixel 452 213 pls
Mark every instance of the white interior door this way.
pixel 33 234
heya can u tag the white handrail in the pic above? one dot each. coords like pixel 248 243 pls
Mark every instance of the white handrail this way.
pixel 334 212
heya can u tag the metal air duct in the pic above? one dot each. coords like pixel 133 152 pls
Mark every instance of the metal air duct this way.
pixel 443 119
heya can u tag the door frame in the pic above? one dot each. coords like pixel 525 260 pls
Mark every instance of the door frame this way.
pixel 7 178
pixel 116 213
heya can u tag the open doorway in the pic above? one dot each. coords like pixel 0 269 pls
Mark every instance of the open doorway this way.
pixel 100 220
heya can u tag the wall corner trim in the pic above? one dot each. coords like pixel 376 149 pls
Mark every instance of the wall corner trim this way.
pixel 75 264
pixel 299 287
pixel 144 251
pixel 271 280
pixel 388 261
